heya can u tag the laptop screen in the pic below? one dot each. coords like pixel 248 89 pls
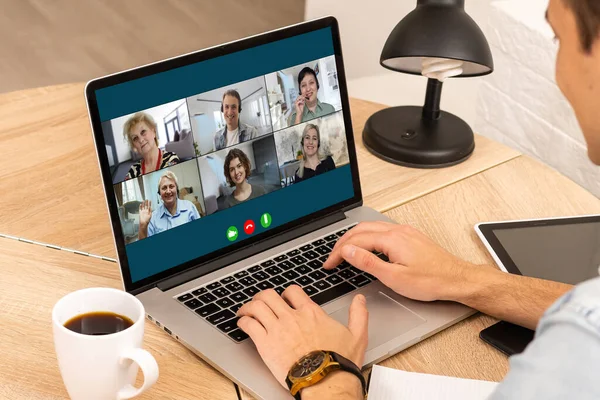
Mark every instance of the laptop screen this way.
pixel 209 155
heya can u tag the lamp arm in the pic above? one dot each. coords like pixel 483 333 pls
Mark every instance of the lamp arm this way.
pixel 431 109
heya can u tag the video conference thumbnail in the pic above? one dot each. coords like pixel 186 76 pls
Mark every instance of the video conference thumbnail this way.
pixel 159 201
pixel 148 140
pixel 311 148
pixel 303 92
pixel 239 173
pixel 230 115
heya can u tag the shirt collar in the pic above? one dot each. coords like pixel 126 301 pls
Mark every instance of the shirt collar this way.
pixel 181 206
pixel 317 108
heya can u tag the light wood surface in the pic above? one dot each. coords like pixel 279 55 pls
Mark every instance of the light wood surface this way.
pixel 58 41
pixel 33 279
pixel 521 188
pixel 53 192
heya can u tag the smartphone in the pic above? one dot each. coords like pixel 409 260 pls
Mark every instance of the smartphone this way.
pixel 506 337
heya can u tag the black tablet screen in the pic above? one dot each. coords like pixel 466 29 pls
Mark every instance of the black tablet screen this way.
pixel 568 253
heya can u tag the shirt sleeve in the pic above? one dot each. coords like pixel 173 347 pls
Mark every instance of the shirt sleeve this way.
pixel 562 361
pixel 330 164
pixel 297 177
pixel 194 214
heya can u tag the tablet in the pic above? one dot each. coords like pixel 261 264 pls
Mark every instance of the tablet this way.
pixel 565 249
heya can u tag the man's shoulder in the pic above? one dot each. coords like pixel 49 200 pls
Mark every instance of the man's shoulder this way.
pixel 158 212
pixel 247 128
pixel 582 301
pixel 589 288
pixel 186 205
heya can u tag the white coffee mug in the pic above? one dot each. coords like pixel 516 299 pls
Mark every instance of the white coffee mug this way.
pixel 102 366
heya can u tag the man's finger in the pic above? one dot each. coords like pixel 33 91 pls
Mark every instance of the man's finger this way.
pixel 253 328
pixel 296 297
pixel 379 241
pixel 358 322
pixel 275 302
pixel 371 226
pixel 261 312
pixel 369 262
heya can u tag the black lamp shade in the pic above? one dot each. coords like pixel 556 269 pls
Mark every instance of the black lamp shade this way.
pixel 441 29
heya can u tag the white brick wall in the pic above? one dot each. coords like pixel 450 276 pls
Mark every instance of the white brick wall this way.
pixel 520 104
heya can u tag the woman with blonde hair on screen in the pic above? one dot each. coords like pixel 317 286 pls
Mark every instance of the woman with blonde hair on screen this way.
pixel 140 133
pixel 313 161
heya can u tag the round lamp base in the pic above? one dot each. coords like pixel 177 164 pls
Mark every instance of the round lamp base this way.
pixel 399 135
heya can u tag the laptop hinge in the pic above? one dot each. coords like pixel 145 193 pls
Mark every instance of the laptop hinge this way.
pixel 203 269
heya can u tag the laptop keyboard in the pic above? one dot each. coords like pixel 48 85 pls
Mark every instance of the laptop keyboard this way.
pixel 218 301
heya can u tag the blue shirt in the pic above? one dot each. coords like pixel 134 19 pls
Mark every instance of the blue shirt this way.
pixel 563 361
pixel 162 219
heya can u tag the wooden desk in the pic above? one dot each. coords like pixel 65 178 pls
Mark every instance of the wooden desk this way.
pixel 33 279
pixel 52 193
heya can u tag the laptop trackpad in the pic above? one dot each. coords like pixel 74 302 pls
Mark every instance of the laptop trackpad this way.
pixel 388 319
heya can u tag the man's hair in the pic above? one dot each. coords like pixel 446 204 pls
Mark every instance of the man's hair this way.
pixel 239 154
pixel 587 15
pixel 232 93
pixel 136 119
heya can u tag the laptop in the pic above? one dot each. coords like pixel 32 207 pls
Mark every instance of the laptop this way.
pixel 233 170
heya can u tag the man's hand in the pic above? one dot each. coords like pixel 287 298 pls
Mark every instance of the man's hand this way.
pixel 288 327
pixel 422 270
pixel 418 267
pixel 145 213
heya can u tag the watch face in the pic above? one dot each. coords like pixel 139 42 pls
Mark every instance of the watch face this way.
pixel 309 364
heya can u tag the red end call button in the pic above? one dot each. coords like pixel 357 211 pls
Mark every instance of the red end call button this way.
pixel 249 227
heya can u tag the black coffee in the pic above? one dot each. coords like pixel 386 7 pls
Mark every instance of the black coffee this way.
pixel 98 323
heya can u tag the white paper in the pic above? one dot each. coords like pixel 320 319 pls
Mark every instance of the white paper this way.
pixel 392 384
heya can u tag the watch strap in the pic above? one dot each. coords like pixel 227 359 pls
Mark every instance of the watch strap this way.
pixel 349 366
pixel 289 384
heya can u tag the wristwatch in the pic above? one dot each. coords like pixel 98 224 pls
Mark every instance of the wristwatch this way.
pixel 315 366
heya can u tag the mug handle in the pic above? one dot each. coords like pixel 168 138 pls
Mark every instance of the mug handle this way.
pixel 149 368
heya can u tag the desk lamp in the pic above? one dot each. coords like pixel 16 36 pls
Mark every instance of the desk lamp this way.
pixel 438 40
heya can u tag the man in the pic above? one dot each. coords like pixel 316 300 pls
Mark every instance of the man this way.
pixel 562 362
pixel 171 213
pixel 307 106
pixel 235 132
